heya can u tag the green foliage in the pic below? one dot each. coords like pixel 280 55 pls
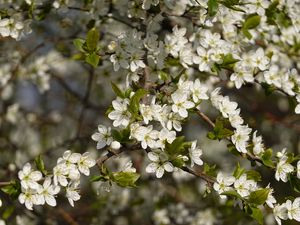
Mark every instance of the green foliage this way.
pixel 93 59
pixel 121 136
pixel 251 22
pixel 79 43
pixel 232 149
pixel 177 147
pixel 269 89
pixel 117 90
pixel 238 172
pixel 227 63
pixel 253 175
pixel 88 47
pixel 125 179
pixel 259 196
pixel 232 4
pixel 267 158
pixel 219 132
pixel 97 178
pixel 294 182
pixel 13 189
pixel 213 6
pixel 40 164
pixel 276 16
pixel 232 194
pixel 210 170
pixel 8 212
pixel 92 39
pixel 134 103
pixel 255 213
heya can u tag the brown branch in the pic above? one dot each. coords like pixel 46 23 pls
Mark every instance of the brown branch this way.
pixel 67 217
pixel 4 183
pixel 210 180
pixel 212 124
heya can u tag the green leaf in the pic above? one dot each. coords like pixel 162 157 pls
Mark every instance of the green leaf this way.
pixel 8 212
pixel 233 194
pixel 93 59
pixel 269 89
pixel 295 183
pixel 212 7
pixel 40 164
pixel 259 196
pixel 13 189
pixel 228 62
pixel 253 175
pixel 219 132
pixel 121 136
pixel 251 22
pixel 232 4
pixel 163 75
pixel 210 170
pixel 92 39
pixel 267 158
pixel 99 178
pixel 232 149
pixel 177 147
pixel 238 172
pixel 117 90
pixel 125 179
pixel 255 213
pixel 178 162
pixel 134 103
pixel 78 43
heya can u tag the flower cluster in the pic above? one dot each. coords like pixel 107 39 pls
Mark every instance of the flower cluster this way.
pixel 169 113
pixel 14 27
pixel 66 174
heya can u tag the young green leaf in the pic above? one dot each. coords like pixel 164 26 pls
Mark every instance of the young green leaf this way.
pixel 125 179
pixel 213 6
pixel 177 146
pixel 259 196
pixel 255 213
pixel 78 43
pixel 232 194
pixel 40 164
pixel 117 90
pixel 238 172
pixel 13 189
pixel 93 59
pixel 134 103
pixel 251 22
pixel 267 158
pixel 92 39
pixel 219 132
pixel 253 175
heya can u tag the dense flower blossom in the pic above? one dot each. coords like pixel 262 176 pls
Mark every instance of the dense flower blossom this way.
pixel 179 54
pixel 159 164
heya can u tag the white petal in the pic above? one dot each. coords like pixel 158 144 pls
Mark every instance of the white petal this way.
pixel 168 167
pixel 153 156
pixel 50 200
pixel 160 172
pixel 151 168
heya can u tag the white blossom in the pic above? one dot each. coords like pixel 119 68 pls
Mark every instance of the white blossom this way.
pixel 223 184
pixel 85 163
pixel 120 114
pixel 293 209
pixel 159 164
pixel 283 168
pixel 29 177
pixel 103 137
pixel 195 153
